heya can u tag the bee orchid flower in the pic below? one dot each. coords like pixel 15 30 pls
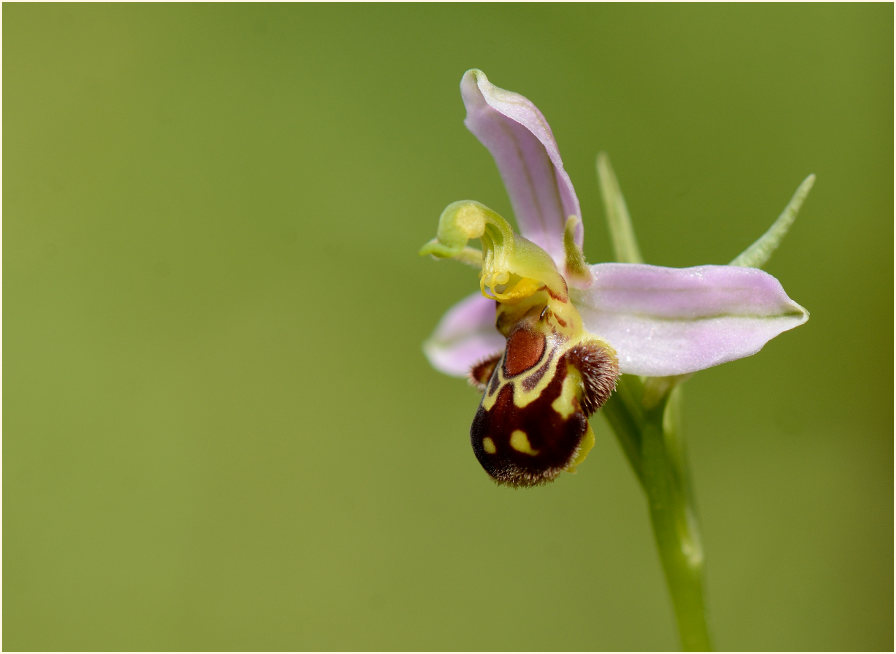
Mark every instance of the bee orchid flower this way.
pixel 548 335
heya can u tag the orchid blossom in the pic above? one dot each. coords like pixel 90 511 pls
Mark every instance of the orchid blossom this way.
pixel 543 312
pixel 550 339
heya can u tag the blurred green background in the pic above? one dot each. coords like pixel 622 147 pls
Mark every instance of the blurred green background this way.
pixel 220 431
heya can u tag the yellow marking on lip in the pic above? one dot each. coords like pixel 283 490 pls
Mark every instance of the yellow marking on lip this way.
pixel 522 397
pixel 565 404
pixel 520 442
pixel 489 445
pixel 584 447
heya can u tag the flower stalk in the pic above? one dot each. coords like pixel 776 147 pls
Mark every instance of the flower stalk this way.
pixel 651 439
pixel 674 520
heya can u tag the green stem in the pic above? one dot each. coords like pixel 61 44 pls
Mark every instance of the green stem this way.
pixel 666 482
pixel 623 412
pixel 646 419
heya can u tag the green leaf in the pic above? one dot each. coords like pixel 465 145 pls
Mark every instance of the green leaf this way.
pixel 758 254
pixel 625 245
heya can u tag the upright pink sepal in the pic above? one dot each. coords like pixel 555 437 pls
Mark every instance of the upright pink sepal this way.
pixel 521 141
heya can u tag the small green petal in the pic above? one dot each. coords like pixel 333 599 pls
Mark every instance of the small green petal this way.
pixel 576 266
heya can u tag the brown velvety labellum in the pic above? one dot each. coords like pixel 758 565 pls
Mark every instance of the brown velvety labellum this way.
pixel 531 445
pixel 524 350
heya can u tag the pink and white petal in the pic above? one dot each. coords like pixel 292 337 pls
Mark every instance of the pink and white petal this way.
pixel 523 146
pixel 673 321
pixel 464 337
